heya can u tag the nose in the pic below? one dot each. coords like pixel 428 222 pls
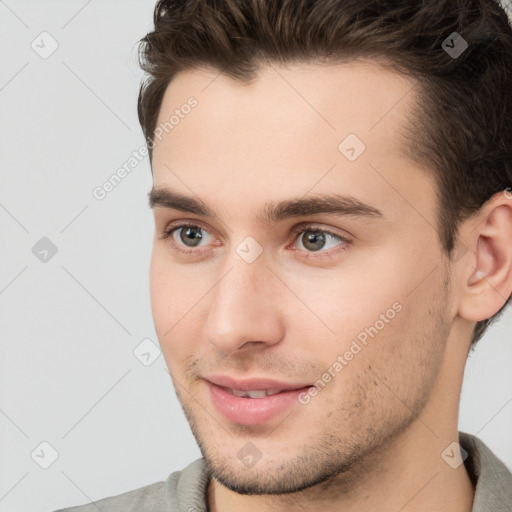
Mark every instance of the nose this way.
pixel 244 309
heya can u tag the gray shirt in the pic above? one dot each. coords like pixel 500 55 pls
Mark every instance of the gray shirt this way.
pixel 185 490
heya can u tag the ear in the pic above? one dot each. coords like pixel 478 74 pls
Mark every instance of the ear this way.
pixel 484 274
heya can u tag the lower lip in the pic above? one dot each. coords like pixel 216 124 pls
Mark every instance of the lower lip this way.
pixel 251 411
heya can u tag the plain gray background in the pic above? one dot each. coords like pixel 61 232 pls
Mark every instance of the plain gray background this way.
pixel 70 324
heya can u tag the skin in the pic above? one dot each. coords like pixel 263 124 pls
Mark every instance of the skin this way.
pixel 373 437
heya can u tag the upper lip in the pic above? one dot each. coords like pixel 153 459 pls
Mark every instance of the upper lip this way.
pixel 253 383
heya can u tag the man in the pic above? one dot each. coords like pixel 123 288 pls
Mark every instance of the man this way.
pixel 333 233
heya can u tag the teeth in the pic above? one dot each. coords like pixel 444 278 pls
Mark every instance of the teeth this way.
pixel 238 393
pixel 255 393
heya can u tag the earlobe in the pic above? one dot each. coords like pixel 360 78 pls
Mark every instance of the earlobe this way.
pixel 488 278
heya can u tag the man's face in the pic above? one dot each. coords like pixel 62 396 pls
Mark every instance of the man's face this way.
pixel 359 294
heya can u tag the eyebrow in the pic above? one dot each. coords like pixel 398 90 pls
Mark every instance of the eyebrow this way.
pixel 272 212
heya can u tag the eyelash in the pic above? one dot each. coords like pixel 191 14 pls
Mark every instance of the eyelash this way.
pixel 297 230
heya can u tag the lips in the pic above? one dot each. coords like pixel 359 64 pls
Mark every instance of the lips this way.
pixel 241 386
pixel 252 401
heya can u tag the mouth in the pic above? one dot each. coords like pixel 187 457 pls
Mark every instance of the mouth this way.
pixel 254 393
pixel 254 385
pixel 253 402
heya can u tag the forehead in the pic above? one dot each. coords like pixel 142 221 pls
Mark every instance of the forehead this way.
pixel 287 129
pixel 365 94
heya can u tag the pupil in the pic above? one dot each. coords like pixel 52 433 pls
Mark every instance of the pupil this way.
pixel 314 237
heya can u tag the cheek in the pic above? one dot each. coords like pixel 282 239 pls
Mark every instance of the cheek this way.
pixel 345 303
pixel 159 287
pixel 171 295
pixel 179 305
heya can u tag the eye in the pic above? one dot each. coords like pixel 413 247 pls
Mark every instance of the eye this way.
pixel 187 236
pixel 191 236
pixel 313 239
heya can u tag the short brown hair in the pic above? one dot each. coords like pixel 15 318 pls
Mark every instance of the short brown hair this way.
pixel 462 127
